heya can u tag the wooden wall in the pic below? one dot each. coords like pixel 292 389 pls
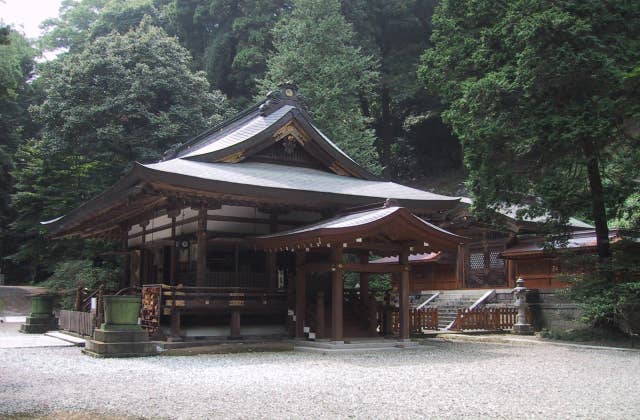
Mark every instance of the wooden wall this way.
pixel 538 273
pixel 433 277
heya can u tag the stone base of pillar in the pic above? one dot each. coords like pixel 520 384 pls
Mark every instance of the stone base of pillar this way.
pixel 523 329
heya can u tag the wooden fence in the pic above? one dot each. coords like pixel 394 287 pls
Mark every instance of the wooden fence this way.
pixel 487 319
pixel 419 320
pixel 78 322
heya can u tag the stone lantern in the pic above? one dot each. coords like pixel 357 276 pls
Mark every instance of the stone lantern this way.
pixel 520 293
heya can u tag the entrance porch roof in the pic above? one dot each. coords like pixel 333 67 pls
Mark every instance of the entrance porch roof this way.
pixel 383 231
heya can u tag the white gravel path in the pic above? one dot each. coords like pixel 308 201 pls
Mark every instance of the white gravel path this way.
pixel 438 380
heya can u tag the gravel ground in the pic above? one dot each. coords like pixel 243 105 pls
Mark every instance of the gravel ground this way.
pixel 437 380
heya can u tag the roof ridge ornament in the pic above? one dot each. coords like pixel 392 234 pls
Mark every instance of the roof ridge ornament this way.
pixel 287 93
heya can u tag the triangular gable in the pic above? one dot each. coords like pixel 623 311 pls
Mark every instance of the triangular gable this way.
pixel 280 119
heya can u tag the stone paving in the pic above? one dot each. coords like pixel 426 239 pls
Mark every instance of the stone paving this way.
pixel 10 338
pixel 439 379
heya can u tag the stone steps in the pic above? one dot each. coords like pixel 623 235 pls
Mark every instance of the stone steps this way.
pixel 448 303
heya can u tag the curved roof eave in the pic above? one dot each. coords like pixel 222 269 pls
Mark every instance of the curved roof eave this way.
pixel 129 180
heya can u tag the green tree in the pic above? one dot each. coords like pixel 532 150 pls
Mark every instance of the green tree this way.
pixel 535 92
pixel 124 98
pixel 16 68
pixel 82 21
pixel 406 117
pixel 315 48
pixel 229 39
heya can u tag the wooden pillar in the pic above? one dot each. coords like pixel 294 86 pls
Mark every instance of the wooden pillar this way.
pixel 301 294
pixel 271 270
pixel 175 329
pixel 511 273
pixel 373 316
pixel 126 258
pixel 201 256
pixel 404 294
pixel 461 261
pixel 271 259
pixel 320 317
pixel 236 258
pixel 364 282
pixel 173 268
pixel 144 256
pixel 337 295
pixel 235 325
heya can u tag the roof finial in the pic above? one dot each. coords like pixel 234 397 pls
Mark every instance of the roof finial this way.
pixel 287 92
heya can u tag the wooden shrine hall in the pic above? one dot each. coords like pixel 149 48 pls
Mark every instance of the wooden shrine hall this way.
pixel 248 228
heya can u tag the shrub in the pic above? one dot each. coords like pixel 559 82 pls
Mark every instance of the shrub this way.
pixel 68 275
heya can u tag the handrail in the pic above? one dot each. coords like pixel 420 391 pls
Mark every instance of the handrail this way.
pixel 428 301
pixel 128 289
pixel 483 298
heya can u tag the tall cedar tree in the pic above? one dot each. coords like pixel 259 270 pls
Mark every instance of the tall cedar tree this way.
pixel 315 48
pixel 123 98
pixel 535 92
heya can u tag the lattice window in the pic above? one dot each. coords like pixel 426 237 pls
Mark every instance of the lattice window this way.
pixel 476 260
pixel 494 260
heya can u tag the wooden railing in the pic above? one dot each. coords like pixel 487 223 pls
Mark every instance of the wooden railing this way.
pixel 225 279
pixel 419 320
pixel 487 319
pixel 81 323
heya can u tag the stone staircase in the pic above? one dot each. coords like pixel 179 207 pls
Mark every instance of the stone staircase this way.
pixel 449 301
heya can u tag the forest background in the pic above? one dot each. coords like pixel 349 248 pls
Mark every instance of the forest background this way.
pixel 527 103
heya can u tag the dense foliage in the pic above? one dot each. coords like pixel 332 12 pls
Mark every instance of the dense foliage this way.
pixel 121 99
pixel 315 49
pixel 535 91
pixel 613 300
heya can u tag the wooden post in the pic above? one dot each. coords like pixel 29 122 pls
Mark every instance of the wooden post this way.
pixel 404 295
pixel 511 273
pixel 235 325
pixel 176 333
pixel 100 310
pixel 461 260
pixel 320 314
pixel 337 296
pixel 271 270
pixel 364 282
pixel 173 270
pixel 301 294
pixel 79 299
pixel 126 258
pixel 373 316
pixel 144 256
pixel 201 256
